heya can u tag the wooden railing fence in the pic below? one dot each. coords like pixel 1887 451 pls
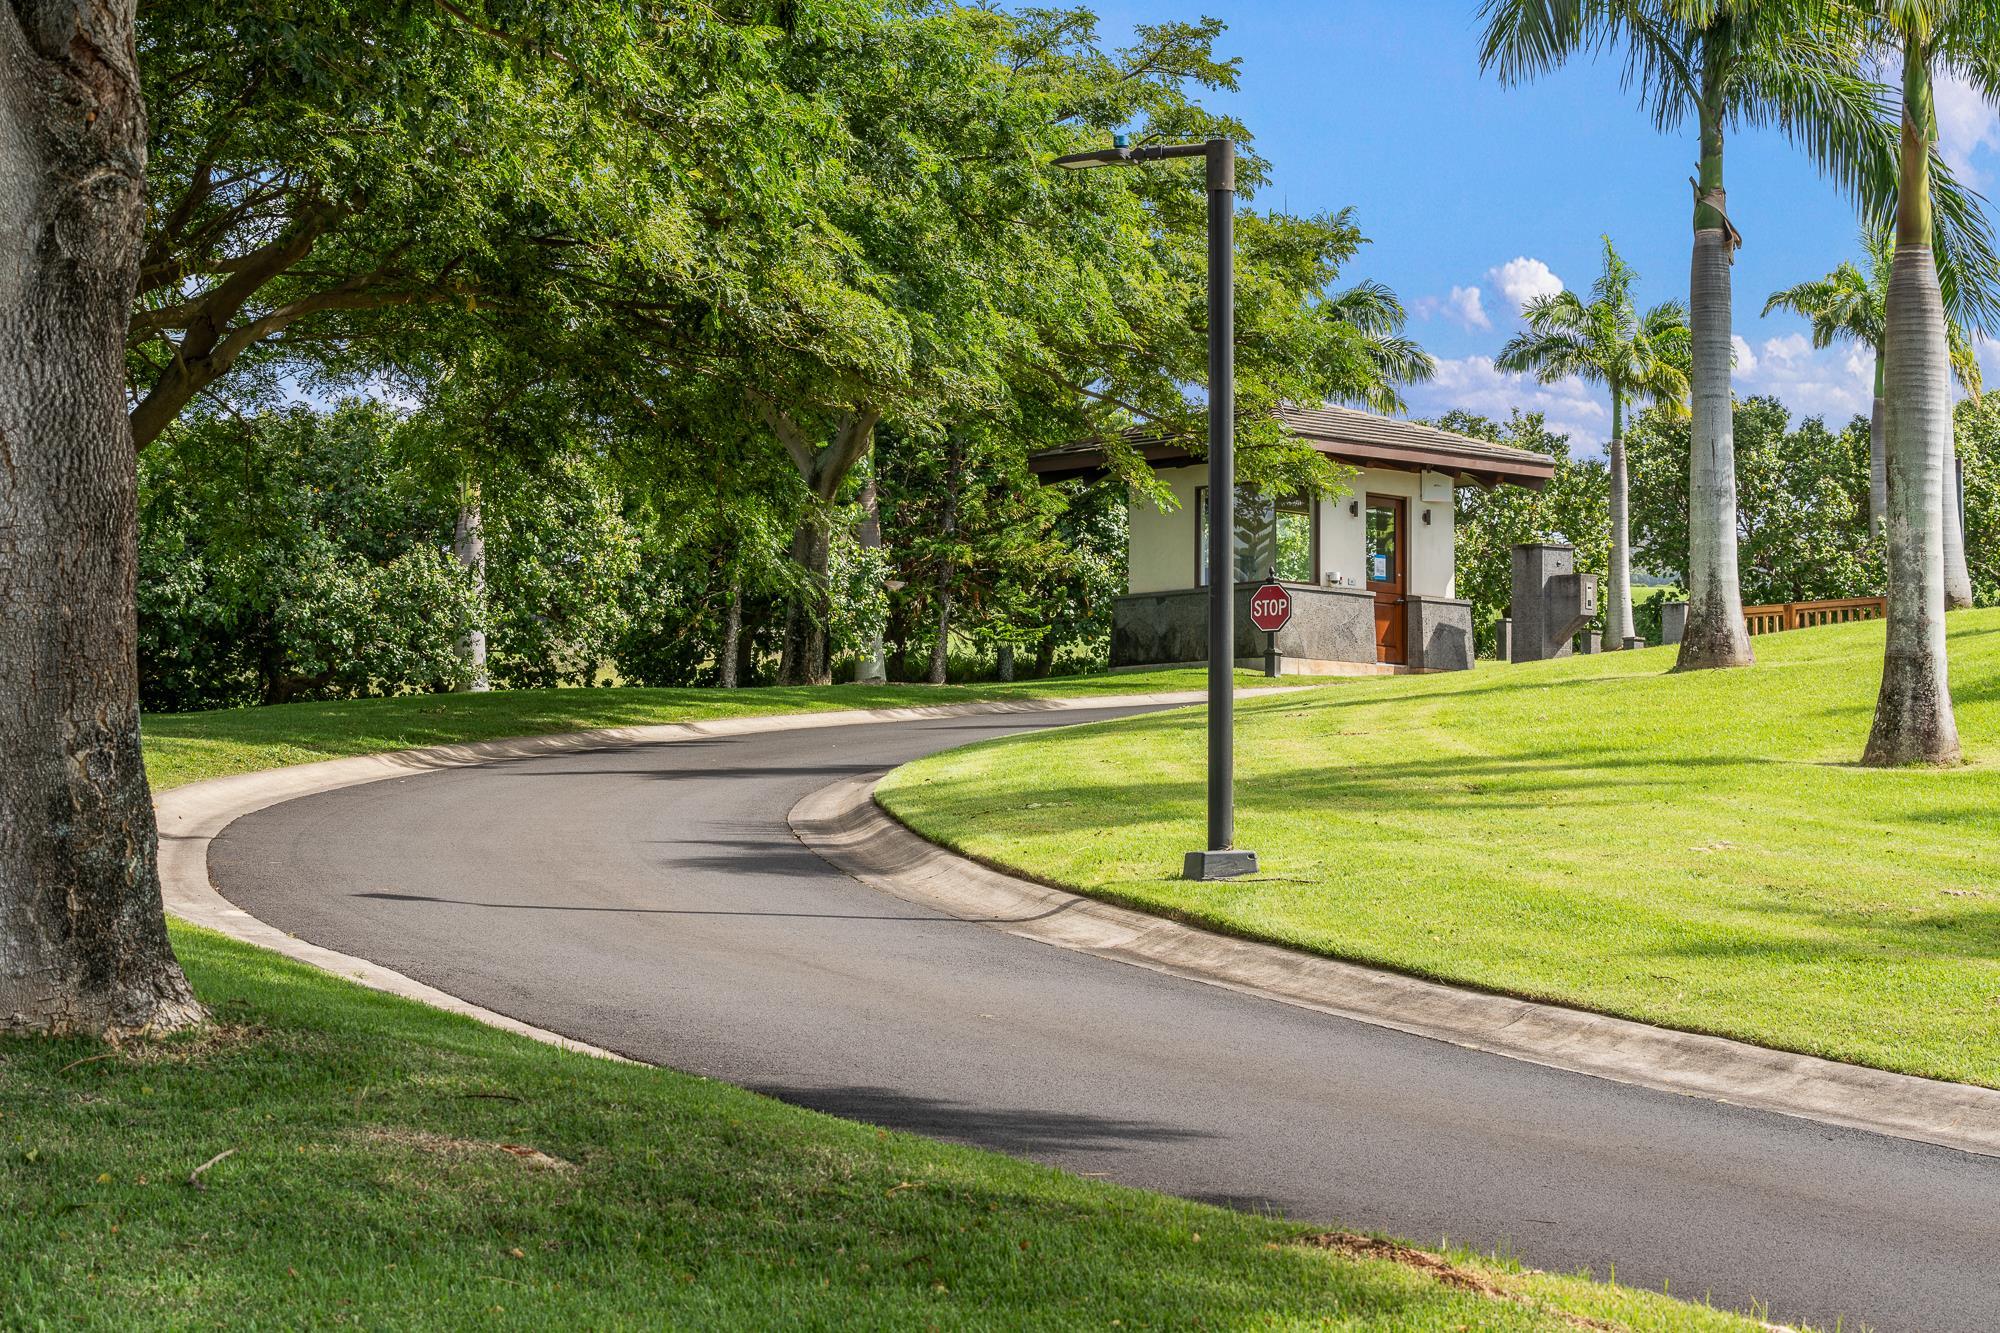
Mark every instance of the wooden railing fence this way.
pixel 1805 615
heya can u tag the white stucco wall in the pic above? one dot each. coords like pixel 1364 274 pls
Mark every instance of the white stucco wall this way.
pixel 1162 557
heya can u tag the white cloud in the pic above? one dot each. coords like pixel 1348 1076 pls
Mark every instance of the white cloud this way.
pixel 1968 126
pixel 1475 384
pixel 1465 307
pixel 1837 383
pixel 1523 279
pixel 1746 360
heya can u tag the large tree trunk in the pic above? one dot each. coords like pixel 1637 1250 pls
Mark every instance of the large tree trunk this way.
pixel 1913 717
pixel 1045 655
pixel 805 660
pixel 83 943
pixel 729 660
pixel 947 571
pixel 1716 635
pixel 874 667
pixel 1003 662
pixel 468 543
pixel 1618 597
pixel 1878 464
pixel 1957 577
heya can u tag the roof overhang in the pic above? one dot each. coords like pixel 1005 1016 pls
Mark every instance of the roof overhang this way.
pixel 1532 472
pixel 1345 435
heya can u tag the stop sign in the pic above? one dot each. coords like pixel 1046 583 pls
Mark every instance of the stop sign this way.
pixel 1270 608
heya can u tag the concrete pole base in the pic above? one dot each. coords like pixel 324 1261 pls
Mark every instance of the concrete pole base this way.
pixel 1218 865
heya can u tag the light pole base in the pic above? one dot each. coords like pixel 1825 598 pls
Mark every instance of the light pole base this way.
pixel 1218 865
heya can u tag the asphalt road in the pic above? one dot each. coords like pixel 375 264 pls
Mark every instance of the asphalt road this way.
pixel 653 900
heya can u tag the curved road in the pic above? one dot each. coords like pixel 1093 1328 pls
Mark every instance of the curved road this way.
pixel 652 900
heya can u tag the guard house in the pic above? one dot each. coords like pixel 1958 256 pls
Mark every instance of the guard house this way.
pixel 1371 573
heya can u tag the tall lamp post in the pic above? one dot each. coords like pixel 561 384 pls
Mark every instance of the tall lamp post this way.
pixel 1219 860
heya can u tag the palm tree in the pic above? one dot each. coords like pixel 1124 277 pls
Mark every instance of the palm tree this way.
pixel 1717 64
pixel 1637 358
pixel 1913 714
pixel 1850 304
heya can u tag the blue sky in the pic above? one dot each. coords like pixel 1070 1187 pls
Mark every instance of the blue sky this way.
pixel 1473 195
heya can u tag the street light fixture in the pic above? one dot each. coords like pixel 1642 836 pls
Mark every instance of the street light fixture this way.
pixel 1220 860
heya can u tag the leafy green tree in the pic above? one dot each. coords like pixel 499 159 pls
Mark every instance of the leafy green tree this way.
pixel 1851 305
pixel 968 282
pixel 1914 722
pixel 559 553
pixel 336 188
pixel 293 555
pixel 1719 65
pixel 1574 507
pixel 1978 433
pixel 1638 357
pixel 1801 512
pixel 986 554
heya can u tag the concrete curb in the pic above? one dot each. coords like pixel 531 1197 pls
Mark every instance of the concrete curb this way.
pixel 191 817
pixel 843 824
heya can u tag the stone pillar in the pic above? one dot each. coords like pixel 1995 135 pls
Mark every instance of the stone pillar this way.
pixel 1673 621
pixel 1551 601
pixel 1504 640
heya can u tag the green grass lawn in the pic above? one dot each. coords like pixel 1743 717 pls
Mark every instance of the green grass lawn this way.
pixel 1699 850
pixel 393 1166
pixel 186 747
pixel 390 1165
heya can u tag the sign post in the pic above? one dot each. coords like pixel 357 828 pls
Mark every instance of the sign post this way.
pixel 1271 611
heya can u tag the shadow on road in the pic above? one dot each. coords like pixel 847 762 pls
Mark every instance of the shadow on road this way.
pixel 1023 1130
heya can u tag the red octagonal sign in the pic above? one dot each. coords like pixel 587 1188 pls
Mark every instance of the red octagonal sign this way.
pixel 1270 608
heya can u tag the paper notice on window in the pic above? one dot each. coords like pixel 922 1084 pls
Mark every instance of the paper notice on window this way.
pixel 1380 566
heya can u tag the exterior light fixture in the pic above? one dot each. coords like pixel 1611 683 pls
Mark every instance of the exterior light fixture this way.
pixel 1354 508
pixel 1220 860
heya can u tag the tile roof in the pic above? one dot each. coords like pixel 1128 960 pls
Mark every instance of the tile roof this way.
pixel 1350 436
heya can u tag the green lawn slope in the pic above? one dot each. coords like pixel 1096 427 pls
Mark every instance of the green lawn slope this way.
pixel 329 1156
pixel 325 1155
pixel 1698 850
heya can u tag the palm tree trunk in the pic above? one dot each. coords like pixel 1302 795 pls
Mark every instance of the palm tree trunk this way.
pixel 1878 466
pixel 1957 578
pixel 1716 635
pixel 1618 597
pixel 1913 716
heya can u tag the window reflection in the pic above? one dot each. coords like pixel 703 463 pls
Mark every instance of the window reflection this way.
pixel 1273 538
pixel 1382 534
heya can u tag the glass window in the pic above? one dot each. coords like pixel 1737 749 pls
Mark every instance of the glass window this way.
pixel 1273 538
pixel 1382 536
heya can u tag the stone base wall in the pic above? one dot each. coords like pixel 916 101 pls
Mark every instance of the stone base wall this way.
pixel 1328 625
pixel 1440 630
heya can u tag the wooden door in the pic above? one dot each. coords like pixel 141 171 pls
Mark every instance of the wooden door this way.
pixel 1388 574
